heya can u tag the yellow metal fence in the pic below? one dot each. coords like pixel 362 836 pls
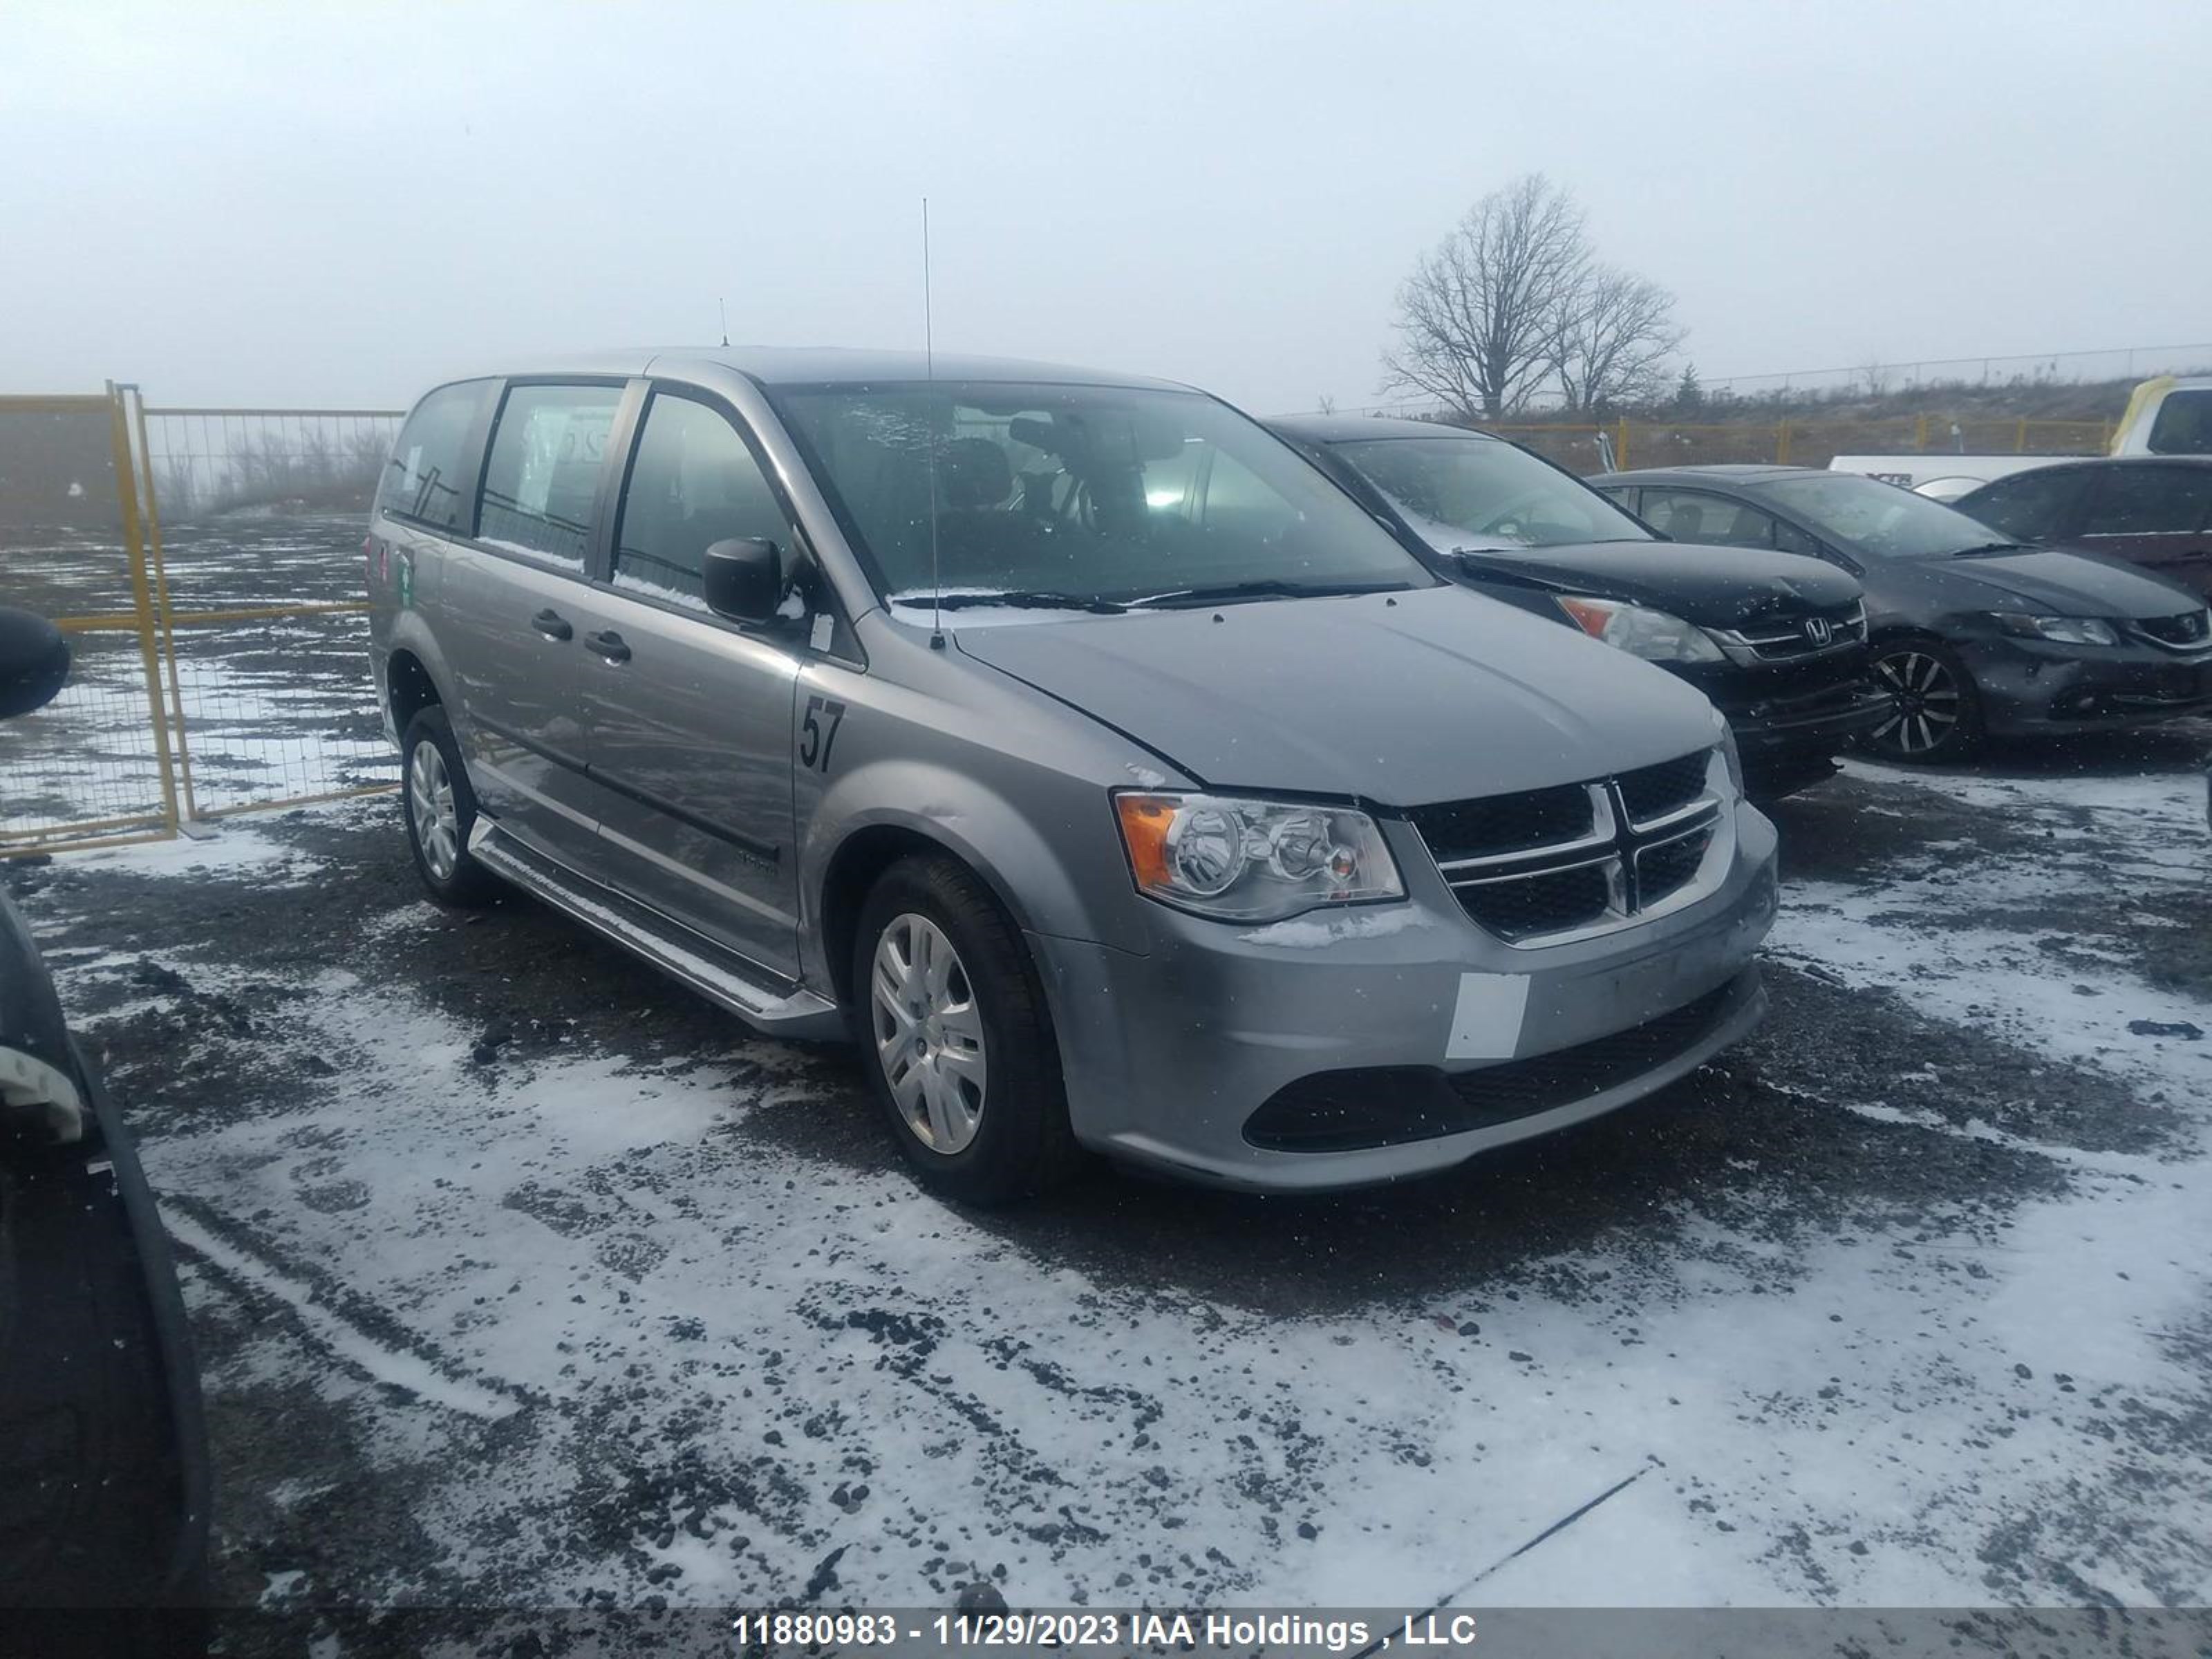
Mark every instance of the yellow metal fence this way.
pixel 206 565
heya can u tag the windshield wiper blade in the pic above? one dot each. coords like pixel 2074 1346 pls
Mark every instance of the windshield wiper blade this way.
pixel 1270 588
pixel 1016 599
pixel 1982 549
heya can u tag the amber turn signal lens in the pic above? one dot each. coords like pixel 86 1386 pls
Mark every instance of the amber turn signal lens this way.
pixel 1592 617
pixel 1145 821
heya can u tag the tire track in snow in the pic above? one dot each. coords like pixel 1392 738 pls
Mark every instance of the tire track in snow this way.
pixel 409 1368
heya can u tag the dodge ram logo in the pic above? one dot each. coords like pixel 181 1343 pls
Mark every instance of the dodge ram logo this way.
pixel 1818 630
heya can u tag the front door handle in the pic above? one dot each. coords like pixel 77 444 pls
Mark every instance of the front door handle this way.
pixel 553 625
pixel 609 644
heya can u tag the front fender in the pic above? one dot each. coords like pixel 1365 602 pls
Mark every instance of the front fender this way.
pixel 1073 883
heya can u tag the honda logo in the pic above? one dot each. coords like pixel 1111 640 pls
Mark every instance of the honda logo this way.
pixel 1818 630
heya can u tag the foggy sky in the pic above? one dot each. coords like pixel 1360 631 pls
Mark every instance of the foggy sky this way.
pixel 335 205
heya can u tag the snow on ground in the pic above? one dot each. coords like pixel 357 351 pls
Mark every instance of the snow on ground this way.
pixel 522 1281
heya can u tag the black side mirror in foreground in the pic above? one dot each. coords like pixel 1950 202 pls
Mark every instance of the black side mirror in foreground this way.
pixel 35 660
pixel 743 579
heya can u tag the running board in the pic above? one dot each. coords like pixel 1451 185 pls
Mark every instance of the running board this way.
pixel 719 975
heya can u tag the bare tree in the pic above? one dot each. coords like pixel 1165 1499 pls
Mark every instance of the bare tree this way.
pixel 1476 318
pixel 1612 332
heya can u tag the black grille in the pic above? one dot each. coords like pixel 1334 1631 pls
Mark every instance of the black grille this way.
pixel 1548 903
pixel 1662 869
pixel 1650 792
pixel 1387 1105
pixel 2187 628
pixel 1504 823
pixel 1782 637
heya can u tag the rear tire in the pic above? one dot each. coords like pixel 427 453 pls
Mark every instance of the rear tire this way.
pixel 440 809
pixel 956 1038
pixel 1938 716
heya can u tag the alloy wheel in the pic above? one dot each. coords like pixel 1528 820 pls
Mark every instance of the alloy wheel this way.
pixel 928 1033
pixel 430 804
pixel 1928 703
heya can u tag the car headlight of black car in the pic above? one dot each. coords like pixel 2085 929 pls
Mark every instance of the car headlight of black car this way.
pixel 1654 635
pixel 2060 630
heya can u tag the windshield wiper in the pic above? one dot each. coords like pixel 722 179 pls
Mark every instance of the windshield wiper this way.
pixel 1269 588
pixel 1983 550
pixel 1019 599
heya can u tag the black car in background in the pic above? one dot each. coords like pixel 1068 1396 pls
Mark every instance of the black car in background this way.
pixel 1974 631
pixel 103 1458
pixel 1778 643
pixel 2154 512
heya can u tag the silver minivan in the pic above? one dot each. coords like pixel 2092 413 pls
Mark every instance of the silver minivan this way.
pixel 1115 781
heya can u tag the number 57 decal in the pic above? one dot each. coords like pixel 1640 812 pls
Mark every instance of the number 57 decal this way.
pixel 818 731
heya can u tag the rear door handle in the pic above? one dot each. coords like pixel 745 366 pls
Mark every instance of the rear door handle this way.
pixel 609 644
pixel 553 625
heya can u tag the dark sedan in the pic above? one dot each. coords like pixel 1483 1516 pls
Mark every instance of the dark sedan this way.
pixel 1778 642
pixel 1976 632
pixel 2150 510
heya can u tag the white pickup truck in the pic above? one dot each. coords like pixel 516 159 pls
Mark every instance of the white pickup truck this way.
pixel 2168 416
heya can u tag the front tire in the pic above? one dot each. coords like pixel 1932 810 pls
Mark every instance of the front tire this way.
pixel 1938 716
pixel 440 809
pixel 956 1038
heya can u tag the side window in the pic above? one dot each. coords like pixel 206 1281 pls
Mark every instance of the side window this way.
pixel 2028 507
pixel 2184 426
pixel 547 453
pixel 2149 500
pixel 1691 515
pixel 1621 496
pixel 431 467
pixel 1789 539
pixel 694 484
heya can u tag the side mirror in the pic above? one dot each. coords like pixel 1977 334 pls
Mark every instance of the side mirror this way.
pixel 743 579
pixel 35 660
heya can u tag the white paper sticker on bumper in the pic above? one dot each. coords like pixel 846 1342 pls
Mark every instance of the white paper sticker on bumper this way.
pixel 1486 1023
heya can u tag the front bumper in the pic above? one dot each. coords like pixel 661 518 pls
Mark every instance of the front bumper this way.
pixel 1785 714
pixel 1780 736
pixel 2038 686
pixel 1169 1056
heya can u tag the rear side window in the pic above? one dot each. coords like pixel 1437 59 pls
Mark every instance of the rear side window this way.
pixel 2149 500
pixel 1691 515
pixel 2184 426
pixel 2028 507
pixel 547 453
pixel 694 484
pixel 432 466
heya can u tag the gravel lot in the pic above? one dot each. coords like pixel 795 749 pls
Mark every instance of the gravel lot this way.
pixel 523 1278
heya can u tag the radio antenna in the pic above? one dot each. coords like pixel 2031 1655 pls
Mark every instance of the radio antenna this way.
pixel 929 419
pixel 722 308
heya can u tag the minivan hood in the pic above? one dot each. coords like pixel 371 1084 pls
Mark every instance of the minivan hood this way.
pixel 2064 584
pixel 1712 586
pixel 1428 695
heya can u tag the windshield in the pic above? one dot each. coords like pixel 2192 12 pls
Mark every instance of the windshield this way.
pixel 1091 494
pixel 1478 492
pixel 1879 520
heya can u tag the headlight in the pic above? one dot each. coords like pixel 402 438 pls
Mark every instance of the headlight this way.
pixel 2065 630
pixel 1652 635
pixel 1253 860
